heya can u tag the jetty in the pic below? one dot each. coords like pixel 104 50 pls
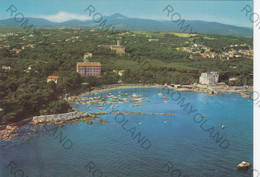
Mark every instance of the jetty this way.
pixel 141 113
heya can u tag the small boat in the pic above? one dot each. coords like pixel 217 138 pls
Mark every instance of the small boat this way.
pixel 134 95
pixel 159 93
pixel 203 116
pixel 34 130
pixel 164 97
pixel 148 100
pixel 222 126
pixel 166 101
pixel 243 165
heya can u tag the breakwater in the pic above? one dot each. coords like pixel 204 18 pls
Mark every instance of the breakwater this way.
pixel 59 117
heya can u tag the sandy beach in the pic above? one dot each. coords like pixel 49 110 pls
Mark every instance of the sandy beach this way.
pixel 242 92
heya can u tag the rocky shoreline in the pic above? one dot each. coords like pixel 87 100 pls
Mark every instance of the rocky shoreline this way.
pixel 10 131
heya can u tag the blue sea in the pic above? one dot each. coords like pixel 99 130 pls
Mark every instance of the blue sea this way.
pixel 208 136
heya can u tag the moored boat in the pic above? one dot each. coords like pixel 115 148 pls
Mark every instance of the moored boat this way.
pixel 243 165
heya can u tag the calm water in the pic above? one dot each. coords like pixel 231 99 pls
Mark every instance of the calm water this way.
pixel 118 148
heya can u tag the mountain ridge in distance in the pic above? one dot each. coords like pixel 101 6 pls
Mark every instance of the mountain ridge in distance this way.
pixel 121 22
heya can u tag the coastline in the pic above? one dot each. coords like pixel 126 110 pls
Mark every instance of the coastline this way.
pixel 9 131
pixel 198 90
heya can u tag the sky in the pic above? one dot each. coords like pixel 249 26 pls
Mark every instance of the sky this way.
pixel 223 11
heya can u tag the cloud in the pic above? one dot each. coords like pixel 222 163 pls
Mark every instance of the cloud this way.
pixel 64 16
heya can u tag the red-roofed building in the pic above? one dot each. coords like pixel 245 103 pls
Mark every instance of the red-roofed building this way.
pixel 16 50
pixel 52 78
pixel 87 68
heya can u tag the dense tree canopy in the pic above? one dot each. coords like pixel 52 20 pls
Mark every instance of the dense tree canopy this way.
pixel 24 91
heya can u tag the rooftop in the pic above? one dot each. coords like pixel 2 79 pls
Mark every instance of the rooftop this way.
pixel 117 46
pixel 89 64
pixel 53 77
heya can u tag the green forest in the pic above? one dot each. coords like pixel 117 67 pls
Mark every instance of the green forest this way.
pixel 24 91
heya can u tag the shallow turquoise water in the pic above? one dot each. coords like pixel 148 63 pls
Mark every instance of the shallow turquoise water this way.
pixel 141 145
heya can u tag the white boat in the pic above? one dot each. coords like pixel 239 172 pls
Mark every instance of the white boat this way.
pixel 134 95
pixel 243 165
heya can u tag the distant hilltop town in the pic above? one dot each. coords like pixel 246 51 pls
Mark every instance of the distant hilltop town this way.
pixel 229 52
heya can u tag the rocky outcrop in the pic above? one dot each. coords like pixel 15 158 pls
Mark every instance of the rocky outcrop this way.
pixel 9 132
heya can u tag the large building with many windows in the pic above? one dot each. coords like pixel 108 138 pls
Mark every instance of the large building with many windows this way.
pixel 209 78
pixel 87 68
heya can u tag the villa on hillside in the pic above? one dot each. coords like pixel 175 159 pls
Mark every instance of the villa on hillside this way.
pixel 117 48
pixel 152 40
pixel 53 79
pixel 119 72
pixel 209 78
pixel 87 55
pixel 16 50
pixel 4 67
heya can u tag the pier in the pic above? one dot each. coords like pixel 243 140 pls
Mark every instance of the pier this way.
pixel 141 113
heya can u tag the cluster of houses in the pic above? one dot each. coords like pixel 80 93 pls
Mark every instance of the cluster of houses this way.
pixel 3 37
pixel 205 52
